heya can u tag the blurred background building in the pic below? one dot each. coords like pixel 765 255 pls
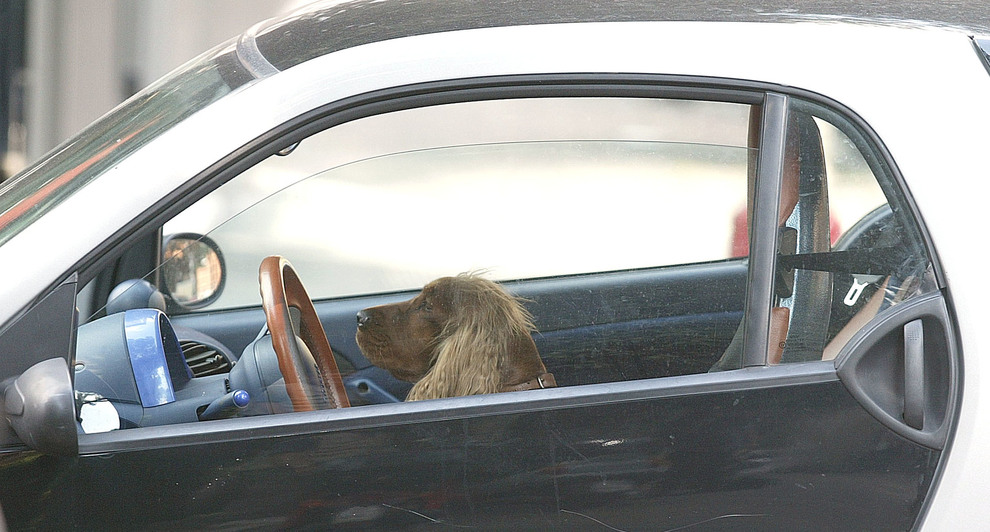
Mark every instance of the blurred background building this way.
pixel 65 63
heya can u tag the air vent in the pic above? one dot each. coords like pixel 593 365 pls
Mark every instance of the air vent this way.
pixel 204 360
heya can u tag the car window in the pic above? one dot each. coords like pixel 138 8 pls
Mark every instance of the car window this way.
pixel 848 249
pixel 506 187
pixel 609 224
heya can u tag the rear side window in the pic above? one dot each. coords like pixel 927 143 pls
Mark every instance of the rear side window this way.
pixel 848 248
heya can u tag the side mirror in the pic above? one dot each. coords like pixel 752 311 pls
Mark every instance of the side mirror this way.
pixel 40 408
pixel 193 270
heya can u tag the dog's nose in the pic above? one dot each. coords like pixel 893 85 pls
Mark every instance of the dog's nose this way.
pixel 362 318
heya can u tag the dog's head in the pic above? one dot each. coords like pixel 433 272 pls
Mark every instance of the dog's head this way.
pixel 459 336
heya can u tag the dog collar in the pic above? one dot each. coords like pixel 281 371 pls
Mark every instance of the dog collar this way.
pixel 544 380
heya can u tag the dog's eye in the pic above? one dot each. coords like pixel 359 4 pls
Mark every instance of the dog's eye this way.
pixel 425 306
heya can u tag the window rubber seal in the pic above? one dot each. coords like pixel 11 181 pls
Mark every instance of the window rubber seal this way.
pixel 763 245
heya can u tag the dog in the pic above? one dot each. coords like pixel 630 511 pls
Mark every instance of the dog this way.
pixel 462 335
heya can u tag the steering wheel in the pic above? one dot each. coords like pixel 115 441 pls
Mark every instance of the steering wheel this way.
pixel 312 379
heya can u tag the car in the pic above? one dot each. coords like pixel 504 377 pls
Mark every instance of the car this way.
pixel 748 251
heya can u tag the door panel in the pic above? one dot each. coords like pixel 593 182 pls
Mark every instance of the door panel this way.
pixel 803 455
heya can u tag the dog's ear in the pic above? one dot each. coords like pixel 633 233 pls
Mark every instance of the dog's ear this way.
pixel 467 363
pixel 523 361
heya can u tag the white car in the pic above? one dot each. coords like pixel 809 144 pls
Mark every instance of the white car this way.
pixel 747 249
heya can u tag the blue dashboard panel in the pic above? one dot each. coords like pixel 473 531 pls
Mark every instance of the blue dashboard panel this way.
pixel 145 346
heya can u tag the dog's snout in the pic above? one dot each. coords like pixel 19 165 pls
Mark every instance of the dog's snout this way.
pixel 362 318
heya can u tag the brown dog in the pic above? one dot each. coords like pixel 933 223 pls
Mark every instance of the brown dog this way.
pixel 461 335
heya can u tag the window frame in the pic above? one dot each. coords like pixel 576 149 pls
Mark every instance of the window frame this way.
pixel 772 100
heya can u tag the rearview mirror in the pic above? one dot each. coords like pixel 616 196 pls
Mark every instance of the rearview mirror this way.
pixel 193 270
pixel 40 408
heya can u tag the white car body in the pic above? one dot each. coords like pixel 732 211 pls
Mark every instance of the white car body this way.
pixel 922 89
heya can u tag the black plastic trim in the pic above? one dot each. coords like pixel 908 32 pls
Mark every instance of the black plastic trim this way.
pixel 456 408
pixel 763 247
pixel 914 374
pixel 865 352
pixel 46 330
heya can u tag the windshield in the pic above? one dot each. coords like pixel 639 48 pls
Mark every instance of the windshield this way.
pixel 66 169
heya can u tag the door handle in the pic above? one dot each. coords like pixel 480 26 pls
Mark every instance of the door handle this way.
pixel 903 368
pixel 914 374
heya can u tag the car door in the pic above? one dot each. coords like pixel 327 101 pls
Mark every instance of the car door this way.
pixel 803 382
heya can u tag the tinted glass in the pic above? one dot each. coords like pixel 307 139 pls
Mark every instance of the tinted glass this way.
pixel 154 110
pixel 326 27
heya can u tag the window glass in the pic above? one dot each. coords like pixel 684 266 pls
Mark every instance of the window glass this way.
pixel 848 248
pixel 31 193
pixel 509 187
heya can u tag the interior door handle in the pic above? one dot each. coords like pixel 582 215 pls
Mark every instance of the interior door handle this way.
pixel 914 374
pixel 903 369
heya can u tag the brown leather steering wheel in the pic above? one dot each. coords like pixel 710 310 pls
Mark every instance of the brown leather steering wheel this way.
pixel 312 379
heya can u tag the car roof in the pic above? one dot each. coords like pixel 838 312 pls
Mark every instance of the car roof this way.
pixel 326 27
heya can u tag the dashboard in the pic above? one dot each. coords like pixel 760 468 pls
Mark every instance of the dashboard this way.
pixel 130 371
